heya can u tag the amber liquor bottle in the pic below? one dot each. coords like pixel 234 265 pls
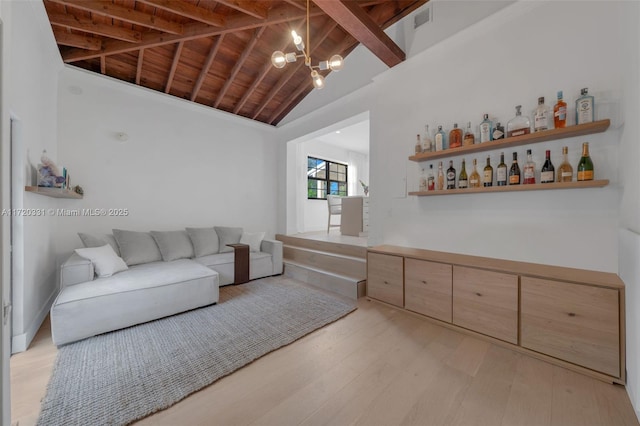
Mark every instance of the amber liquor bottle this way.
pixel 455 137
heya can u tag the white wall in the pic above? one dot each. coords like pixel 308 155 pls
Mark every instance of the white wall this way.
pixel 182 165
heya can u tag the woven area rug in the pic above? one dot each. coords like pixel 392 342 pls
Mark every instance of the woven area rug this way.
pixel 119 377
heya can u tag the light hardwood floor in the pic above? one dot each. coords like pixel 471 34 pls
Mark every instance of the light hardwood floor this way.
pixel 377 366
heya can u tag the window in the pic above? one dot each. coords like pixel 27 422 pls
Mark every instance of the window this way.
pixel 325 177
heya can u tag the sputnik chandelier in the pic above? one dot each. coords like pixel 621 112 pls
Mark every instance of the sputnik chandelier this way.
pixel 280 59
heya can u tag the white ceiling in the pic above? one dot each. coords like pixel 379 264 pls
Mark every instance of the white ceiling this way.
pixel 353 138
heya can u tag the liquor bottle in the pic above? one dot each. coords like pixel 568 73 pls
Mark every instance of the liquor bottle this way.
pixel 584 107
pixel 529 170
pixel 451 176
pixel 469 137
pixel 440 177
pixel 565 171
pixel 560 112
pixel 418 145
pixel 541 116
pixel 514 171
pixel 431 180
pixel 488 173
pixel 474 179
pixel 547 175
pixel 585 166
pixel 423 182
pixel 455 137
pixel 486 129
pixel 518 125
pixel 463 182
pixel 501 172
pixel 440 139
pixel 498 132
pixel 427 143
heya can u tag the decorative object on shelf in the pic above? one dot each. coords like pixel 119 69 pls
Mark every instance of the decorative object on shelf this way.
pixel 365 188
pixel 280 59
pixel 519 125
pixel 78 190
pixel 49 175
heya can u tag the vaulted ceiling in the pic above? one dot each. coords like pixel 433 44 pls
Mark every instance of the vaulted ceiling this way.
pixel 218 53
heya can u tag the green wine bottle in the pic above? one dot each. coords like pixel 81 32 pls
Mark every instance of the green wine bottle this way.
pixel 463 182
pixel 585 166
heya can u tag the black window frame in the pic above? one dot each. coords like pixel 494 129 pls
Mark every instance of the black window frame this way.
pixel 327 181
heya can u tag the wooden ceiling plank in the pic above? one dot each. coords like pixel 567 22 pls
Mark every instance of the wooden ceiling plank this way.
pixel 193 31
pixel 132 16
pixel 188 10
pixel 174 65
pixel 355 20
pixel 75 40
pixel 257 33
pixel 251 8
pixel 296 4
pixel 103 65
pixel 206 67
pixel 89 26
pixel 139 67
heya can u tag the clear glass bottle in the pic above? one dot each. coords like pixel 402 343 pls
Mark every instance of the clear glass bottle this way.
pixel 487 175
pixel 560 112
pixel 501 172
pixel 423 182
pixel 418 145
pixel 427 143
pixel 565 171
pixel 486 129
pixel 529 170
pixel 585 166
pixel 440 177
pixel 474 179
pixel 541 116
pixel 463 181
pixel 498 132
pixel 518 125
pixel 469 137
pixel 441 140
pixel 455 137
pixel 585 107
pixel 451 176
pixel 431 180
pixel 514 171
pixel 548 172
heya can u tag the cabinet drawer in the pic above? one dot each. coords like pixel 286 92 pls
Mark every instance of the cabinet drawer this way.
pixel 427 288
pixel 486 302
pixel 385 276
pixel 573 322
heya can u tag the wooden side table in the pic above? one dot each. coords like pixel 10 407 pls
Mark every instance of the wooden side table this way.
pixel 241 263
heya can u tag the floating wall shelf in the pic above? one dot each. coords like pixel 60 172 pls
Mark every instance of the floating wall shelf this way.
pixel 521 187
pixel 53 192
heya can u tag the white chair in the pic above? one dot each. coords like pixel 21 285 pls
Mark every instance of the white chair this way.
pixel 334 203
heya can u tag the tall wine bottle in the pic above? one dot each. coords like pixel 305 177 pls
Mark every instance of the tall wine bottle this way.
pixel 565 172
pixel 463 181
pixel 451 176
pixel 547 175
pixel 474 179
pixel 501 172
pixel 488 173
pixel 514 171
pixel 585 166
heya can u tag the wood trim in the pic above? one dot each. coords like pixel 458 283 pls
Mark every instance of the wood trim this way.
pixel 174 65
pixel 513 188
pixel 251 8
pixel 188 10
pixel 66 38
pixel 206 67
pixel 89 26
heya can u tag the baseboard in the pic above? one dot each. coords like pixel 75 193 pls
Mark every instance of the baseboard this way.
pixel 21 342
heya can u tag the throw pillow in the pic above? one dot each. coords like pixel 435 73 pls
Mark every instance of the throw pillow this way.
pixel 137 247
pixel 204 240
pixel 253 239
pixel 104 259
pixel 228 236
pixel 173 244
pixel 89 241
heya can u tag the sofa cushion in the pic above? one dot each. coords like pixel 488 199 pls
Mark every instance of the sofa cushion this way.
pixel 253 240
pixel 204 240
pixel 104 259
pixel 137 247
pixel 89 241
pixel 173 245
pixel 228 235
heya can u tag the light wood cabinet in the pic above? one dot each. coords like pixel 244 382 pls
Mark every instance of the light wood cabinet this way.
pixel 573 322
pixel 427 287
pixel 385 278
pixel 486 302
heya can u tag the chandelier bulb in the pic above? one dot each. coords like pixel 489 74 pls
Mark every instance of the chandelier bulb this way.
pixel 278 59
pixel 336 63
pixel 318 80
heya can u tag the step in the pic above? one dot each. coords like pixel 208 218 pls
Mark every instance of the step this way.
pixel 328 246
pixel 336 283
pixel 350 266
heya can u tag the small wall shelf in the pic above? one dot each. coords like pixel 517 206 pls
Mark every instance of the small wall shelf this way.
pixel 547 135
pixel 53 192
pixel 521 187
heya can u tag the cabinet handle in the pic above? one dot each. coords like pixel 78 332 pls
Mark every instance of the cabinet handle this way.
pixel 478 294
pixel 571 314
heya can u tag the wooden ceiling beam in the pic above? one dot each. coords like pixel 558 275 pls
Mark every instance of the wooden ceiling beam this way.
pixel 188 10
pixel 66 38
pixel 205 68
pixel 192 31
pixel 296 4
pixel 127 14
pixel 355 20
pixel 139 67
pixel 251 8
pixel 103 65
pixel 88 26
pixel 174 65
pixel 257 33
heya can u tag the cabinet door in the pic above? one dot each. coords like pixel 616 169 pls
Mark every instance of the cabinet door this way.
pixel 427 287
pixel 385 278
pixel 486 302
pixel 573 322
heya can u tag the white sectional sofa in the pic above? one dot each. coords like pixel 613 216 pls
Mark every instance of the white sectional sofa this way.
pixel 183 274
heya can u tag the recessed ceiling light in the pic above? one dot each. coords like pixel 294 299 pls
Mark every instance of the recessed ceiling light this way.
pixel 338 131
